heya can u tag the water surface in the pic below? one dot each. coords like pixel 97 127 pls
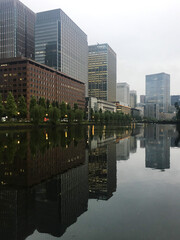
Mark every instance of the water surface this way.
pixel 90 183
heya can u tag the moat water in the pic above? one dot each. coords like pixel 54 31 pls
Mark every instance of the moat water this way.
pixel 89 183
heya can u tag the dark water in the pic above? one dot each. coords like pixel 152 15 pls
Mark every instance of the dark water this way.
pixel 87 183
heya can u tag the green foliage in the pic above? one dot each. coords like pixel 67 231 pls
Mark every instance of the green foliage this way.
pixel 22 107
pixel 1 108
pixel 79 115
pixel 96 117
pixel 177 111
pixel 37 114
pixel 101 117
pixel 47 104
pixel 32 103
pixel 54 115
pixel 71 115
pixel 11 107
pixel 63 108
pixel 42 102
pixel 75 106
pixel 68 106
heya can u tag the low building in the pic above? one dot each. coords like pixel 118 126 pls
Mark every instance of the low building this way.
pixel 95 104
pixel 23 76
pixel 135 113
pixel 123 109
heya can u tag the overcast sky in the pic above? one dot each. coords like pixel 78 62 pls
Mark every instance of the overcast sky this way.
pixel 145 34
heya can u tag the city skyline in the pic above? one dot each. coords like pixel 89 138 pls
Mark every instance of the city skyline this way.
pixel 142 36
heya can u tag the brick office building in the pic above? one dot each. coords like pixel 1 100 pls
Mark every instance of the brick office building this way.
pixel 23 76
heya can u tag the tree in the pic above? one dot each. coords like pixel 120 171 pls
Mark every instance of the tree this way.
pixel 107 117
pixel 37 114
pixel 63 108
pixel 68 106
pixel 11 107
pixel 47 103
pixel 42 102
pixel 32 103
pixel 22 107
pixel 96 117
pixel 54 115
pixel 1 108
pixel 79 115
pixel 177 111
pixel 75 106
pixel 101 117
pixel 71 115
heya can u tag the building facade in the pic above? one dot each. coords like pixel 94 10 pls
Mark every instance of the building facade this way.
pixel 133 99
pixel 151 110
pixel 122 94
pixel 16 30
pixel 142 99
pixel 158 90
pixel 23 76
pixel 102 72
pixel 61 44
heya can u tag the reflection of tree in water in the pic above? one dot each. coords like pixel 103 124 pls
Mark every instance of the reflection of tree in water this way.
pixel 177 140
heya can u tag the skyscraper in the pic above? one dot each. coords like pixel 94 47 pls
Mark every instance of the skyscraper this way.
pixel 61 44
pixel 158 90
pixel 17 24
pixel 122 93
pixel 133 98
pixel 102 72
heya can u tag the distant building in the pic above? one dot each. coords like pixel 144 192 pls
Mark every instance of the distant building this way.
pixel 122 93
pixel 175 99
pixel 151 110
pixel 97 104
pixel 123 109
pixel 17 30
pixel 102 72
pixel 158 90
pixel 133 99
pixel 142 98
pixel 61 44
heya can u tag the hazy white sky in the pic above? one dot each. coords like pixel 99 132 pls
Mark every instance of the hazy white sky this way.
pixel 145 34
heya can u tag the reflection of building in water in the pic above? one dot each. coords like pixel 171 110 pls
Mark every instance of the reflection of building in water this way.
pixel 157 147
pixel 50 207
pixel 102 171
pixel 123 149
pixel 133 144
pixel 25 164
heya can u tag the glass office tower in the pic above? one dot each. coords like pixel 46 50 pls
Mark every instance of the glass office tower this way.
pixel 61 44
pixel 102 72
pixel 17 24
pixel 158 90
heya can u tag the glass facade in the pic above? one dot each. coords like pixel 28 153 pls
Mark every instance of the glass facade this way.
pixel 102 72
pixel 158 90
pixel 61 44
pixel 16 30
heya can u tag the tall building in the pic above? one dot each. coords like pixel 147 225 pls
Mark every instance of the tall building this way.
pixel 158 90
pixel 133 99
pixel 17 24
pixel 61 44
pixel 122 93
pixel 102 72
pixel 142 98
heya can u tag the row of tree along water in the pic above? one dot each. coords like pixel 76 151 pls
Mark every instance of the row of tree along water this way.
pixel 45 111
